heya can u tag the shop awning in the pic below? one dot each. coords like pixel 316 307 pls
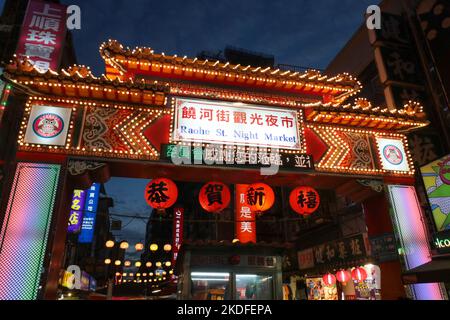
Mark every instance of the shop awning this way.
pixel 437 270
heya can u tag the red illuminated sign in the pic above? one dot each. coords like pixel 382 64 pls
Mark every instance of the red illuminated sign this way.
pixel 43 34
pixel 245 218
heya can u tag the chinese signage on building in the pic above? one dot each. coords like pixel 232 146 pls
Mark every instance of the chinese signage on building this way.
pixel 48 125
pixel 219 156
pixel 203 121
pixel 178 214
pixel 305 259
pixel 392 154
pixel 245 218
pixel 43 34
pixel 335 252
pixel 76 212
pixel 384 248
pixel 90 213
pixel 436 178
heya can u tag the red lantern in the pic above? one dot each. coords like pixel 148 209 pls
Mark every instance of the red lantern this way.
pixel 329 280
pixel 359 274
pixel 304 200
pixel 260 197
pixel 343 276
pixel 214 196
pixel 161 193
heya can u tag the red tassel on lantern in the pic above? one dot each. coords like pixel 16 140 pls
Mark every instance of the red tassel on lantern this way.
pixel 359 274
pixel 343 276
pixel 329 279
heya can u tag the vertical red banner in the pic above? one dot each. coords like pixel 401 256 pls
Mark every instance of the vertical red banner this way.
pixel 244 217
pixel 43 34
pixel 178 215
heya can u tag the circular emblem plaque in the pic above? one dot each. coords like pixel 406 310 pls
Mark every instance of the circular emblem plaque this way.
pixel 48 125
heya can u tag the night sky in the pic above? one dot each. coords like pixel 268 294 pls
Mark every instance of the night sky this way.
pixel 306 33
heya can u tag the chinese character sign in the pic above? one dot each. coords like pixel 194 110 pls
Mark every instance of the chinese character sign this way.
pixel 204 121
pixel 214 196
pixel 245 218
pixel 90 214
pixel 304 200
pixel 76 212
pixel 43 34
pixel 178 215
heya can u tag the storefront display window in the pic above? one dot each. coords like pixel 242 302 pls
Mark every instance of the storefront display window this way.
pixel 210 286
pixel 254 287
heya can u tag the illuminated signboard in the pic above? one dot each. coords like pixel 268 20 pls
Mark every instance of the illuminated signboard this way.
pixel 90 213
pixel 177 232
pixel 392 154
pixel 203 121
pixel 245 218
pixel 43 34
pixel 442 242
pixel 76 212
pixel 436 177
pixel 48 125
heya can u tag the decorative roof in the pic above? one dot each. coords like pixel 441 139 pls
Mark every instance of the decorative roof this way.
pixel 78 81
pixel 363 114
pixel 123 62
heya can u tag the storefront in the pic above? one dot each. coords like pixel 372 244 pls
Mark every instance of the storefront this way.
pixel 227 271
pixel 243 146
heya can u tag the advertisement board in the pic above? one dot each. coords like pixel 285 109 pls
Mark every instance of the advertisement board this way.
pixel 436 178
pixel 43 34
pixel 317 290
pixel 219 122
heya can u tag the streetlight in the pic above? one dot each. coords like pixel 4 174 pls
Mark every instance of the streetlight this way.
pixel 167 247
pixel 158 264
pixel 107 261
pixel 127 263
pixel 148 264
pixel 154 247
pixel 117 262
pixel 139 247
pixel 168 264
pixel 138 264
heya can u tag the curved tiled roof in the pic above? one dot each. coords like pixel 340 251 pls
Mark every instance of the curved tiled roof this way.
pixel 125 59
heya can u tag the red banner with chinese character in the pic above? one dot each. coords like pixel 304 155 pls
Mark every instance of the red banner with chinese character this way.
pixel 245 218
pixel 43 34
pixel 178 214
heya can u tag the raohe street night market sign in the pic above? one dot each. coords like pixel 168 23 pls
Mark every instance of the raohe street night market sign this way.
pixel 203 121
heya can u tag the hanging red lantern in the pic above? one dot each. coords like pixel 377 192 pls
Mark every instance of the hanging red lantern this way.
pixel 359 274
pixel 329 279
pixel 161 193
pixel 260 197
pixel 304 200
pixel 214 196
pixel 343 276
